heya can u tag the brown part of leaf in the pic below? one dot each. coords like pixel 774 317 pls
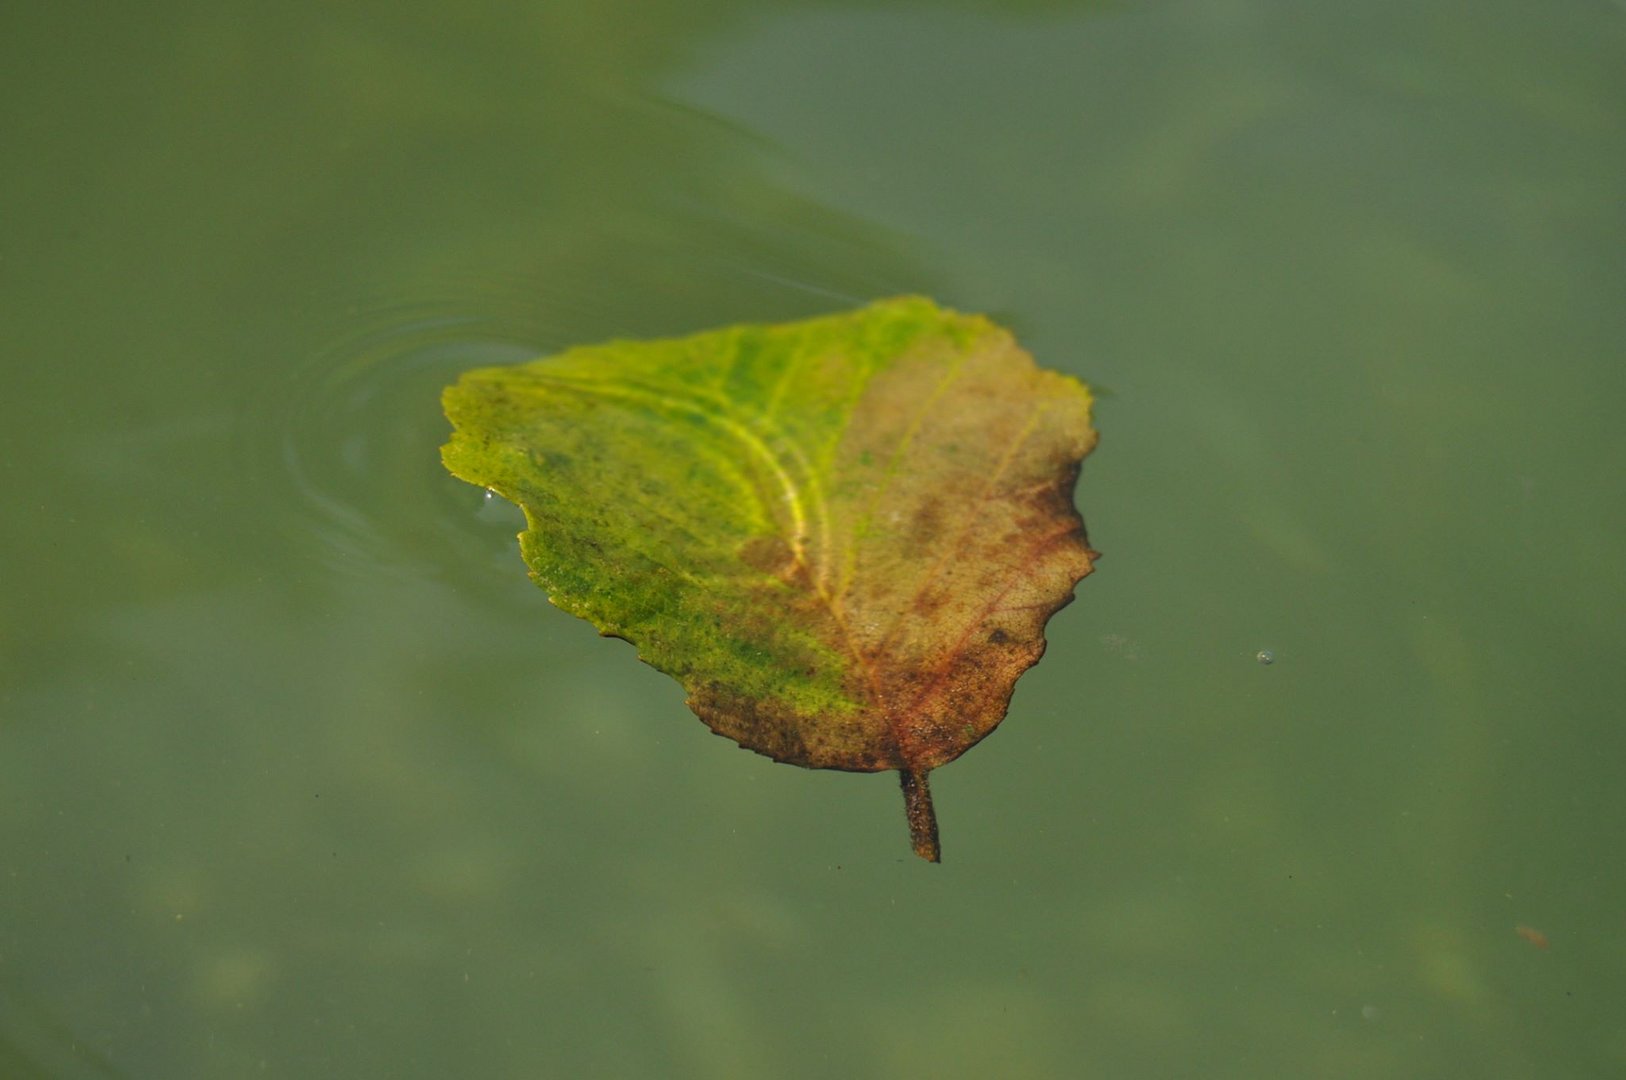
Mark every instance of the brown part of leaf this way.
pixel 955 542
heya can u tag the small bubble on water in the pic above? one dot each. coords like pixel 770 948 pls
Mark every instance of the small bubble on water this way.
pixel 1265 656
pixel 498 510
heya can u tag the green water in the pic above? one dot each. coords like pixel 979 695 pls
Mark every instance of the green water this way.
pixel 300 777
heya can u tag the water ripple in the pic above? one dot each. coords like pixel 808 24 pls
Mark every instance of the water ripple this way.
pixel 348 441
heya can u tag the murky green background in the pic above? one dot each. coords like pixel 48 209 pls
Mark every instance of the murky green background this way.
pixel 300 777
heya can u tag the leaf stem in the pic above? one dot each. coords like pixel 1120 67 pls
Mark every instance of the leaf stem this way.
pixel 917 807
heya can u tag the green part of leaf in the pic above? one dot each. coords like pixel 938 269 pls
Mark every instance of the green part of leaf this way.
pixel 843 536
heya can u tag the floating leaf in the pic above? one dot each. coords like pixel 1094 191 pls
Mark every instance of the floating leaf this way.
pixel 843 536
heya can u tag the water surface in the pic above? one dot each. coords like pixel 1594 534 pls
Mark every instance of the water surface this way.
pixel 300 777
